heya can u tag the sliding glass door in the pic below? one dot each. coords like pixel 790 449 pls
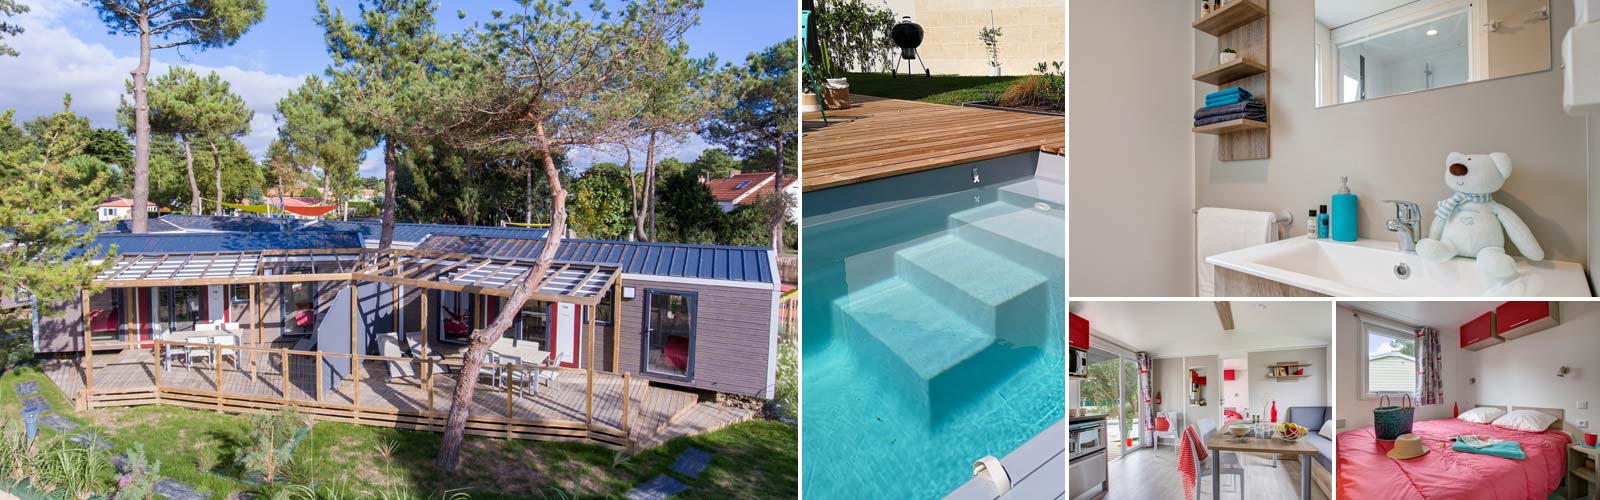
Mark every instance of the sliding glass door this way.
pixel 1112 389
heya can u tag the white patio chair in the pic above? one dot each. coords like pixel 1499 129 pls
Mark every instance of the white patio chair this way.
pixel 196 352
pixel 492 358
pixel 228 340
pixel 517 375
pixel 207 327
pixel 171 351
pixel 414 345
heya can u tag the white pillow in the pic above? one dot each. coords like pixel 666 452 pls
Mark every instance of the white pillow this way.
pixel 1525 420
pixel 1326 430
pixel 1482 415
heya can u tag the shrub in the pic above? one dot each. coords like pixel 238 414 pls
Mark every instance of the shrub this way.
pixel 1047 88
pixel 139 482
pixel 272 441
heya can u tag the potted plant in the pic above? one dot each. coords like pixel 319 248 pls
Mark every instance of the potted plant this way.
pixel 848 34
pixel 1228 56
pixel 990 36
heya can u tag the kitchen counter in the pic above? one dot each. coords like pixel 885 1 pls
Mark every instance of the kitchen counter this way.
pixel 1087 418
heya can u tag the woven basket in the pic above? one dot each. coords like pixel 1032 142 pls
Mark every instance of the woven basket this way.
pixel 1389 422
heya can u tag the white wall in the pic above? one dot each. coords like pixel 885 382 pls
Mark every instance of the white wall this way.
pixel 1354 408
pixel 1523 371
pixel 1132 152
pixel 1236 392
pixel 1392 148
pixel 1311 390
pixel 1169 380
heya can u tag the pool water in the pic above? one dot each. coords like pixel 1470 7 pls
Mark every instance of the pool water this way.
pixel 933 336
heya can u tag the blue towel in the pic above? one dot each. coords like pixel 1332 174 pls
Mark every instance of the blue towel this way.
pixel 1224 101
pixel 1228 93
pixel 1484 445
pixel 1255 106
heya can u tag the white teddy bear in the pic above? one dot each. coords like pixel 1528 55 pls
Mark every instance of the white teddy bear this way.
pixel 1469 223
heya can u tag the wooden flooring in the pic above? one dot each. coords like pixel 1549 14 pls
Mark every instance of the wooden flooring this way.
pixel 879 138
pixel 1153 475
pixel 655 414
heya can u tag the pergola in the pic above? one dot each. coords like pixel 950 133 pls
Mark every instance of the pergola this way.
pixel 581 283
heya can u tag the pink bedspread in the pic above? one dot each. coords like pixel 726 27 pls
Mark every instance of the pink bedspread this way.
pixel 1365 471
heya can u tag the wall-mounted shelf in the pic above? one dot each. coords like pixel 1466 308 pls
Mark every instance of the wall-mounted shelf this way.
pixel 1236 70
pixel 1245 27
pixel 1287 376
pixel 1231 126
pixel 1230 17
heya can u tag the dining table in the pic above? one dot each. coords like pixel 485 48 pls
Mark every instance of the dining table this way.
pixel 1224 441
pixel 525 350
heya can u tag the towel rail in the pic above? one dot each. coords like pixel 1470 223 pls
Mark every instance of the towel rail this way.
pixel 1284 217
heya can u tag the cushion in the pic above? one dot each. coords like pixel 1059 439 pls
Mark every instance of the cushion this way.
pixel 1525 420
pixel 1326 430
pixel 1482 415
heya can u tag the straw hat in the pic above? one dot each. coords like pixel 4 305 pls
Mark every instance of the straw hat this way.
pixel 1407 446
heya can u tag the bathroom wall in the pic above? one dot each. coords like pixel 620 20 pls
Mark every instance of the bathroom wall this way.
pixel 1522 371
pixel 1593 126
pixel 1391 148
pixel 1356 410
pixel 1133 233
pixel 1311 390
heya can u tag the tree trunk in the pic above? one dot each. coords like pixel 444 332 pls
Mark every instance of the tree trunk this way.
pixel 634 199
pixel 461 402
pixel 386 237
pixel 216 159
pixel 141 130
pixel 196 206
pixel 783 204
pixel 527 192
pixel 650 187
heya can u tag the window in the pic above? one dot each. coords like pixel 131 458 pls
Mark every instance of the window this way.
pixel 1391 363
pixel 105 316
pixel 533 324
pixel 603 312
pixel 669 333
pixel 179 308
pixel 299 305
pixel 240 294
pixel 455 317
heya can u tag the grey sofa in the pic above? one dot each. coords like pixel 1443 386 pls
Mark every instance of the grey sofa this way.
pixel 1312 418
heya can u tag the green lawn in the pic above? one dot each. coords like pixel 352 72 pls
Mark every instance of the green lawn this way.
pixel 940 89
pixel 757 459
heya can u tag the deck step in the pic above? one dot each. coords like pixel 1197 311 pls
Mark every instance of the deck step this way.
pixel 993 292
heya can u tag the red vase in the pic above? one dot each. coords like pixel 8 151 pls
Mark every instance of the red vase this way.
pixel 1455 409
pixel 1158 397
pixel 1274 411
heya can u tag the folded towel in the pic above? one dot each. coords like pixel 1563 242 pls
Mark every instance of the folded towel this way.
pixel 1229 92
pixel 1485 445
pixel 1224 101
pixel 1230 108
pixel 1223 230
pixel 1260 117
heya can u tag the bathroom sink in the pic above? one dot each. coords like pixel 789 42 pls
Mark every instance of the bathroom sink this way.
pixel 1374 268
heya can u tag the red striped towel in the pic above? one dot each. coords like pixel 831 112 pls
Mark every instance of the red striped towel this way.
pixel 1188 462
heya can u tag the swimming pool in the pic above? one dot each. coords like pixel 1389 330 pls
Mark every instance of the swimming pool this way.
pixel 933 326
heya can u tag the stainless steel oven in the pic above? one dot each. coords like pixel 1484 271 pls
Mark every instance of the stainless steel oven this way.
pixel 1087 460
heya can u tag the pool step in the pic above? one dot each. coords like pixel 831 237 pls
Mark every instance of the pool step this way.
pixel 1034 190
pixel 933 359
pixel 996 294
pixel 1035 238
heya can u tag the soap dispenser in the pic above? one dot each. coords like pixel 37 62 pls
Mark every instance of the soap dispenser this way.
pixel 1344 212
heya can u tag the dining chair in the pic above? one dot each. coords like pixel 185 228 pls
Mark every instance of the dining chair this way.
pixel 228 340
pixel 172 351
pixel 1231 466
pixel 196 352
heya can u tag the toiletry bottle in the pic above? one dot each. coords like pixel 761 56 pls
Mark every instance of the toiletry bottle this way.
pixel 1322 221
pixel 1311 224
pixel 1344 213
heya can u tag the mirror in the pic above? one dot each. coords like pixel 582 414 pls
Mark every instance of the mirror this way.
pixel 1366 49
pixel 1197 386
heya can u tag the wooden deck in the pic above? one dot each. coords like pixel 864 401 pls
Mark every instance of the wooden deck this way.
pixel 558 411
pixel 879 138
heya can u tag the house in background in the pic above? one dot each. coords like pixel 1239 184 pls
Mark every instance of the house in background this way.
pixel 740 189
pixel 120 208
pixel 631 335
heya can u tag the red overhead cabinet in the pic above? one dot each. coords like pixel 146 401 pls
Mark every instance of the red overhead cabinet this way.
pixel 1516 319
pixel 1479 333
pixel 1078 332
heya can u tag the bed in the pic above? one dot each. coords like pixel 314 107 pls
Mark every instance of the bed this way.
pixel 1366 472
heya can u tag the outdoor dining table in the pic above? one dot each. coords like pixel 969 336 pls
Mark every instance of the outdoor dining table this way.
pixel 527 351
pixel 198 337
pixel 1223 441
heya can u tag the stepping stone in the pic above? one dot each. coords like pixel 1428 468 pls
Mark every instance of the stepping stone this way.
pixel 27 389
pixel 692 462
pixel 173 490
pixel 660 488
pixel 91 440
pixel 35 402
pixel 59 423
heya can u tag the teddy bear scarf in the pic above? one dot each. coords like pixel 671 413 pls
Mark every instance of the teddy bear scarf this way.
pixel 1448 206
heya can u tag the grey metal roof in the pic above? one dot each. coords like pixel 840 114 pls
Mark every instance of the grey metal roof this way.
pixel 414 233
pixel 234 224
pixel 222 242
pixel 718 262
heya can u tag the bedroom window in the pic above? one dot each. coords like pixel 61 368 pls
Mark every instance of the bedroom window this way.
pixel 1391 363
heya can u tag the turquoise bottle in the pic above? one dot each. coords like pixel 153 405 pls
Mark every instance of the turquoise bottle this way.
pixel 1344 213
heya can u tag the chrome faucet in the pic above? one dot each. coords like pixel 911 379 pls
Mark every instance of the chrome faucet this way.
pixel 1408 222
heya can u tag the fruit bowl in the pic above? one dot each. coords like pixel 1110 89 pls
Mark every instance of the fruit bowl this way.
pixel 1291 432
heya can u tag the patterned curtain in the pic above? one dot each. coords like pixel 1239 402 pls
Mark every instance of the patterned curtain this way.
pixel 1430 376
pixel 1147 409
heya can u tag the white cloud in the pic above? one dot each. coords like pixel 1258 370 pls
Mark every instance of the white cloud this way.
pixel 54 62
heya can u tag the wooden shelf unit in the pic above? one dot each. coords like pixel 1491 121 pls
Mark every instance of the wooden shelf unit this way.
pixel 1245 27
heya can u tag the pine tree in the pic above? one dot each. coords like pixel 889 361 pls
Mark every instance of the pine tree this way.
pixel 315 130
pixel 192 108
pixel 764 117
pixel 46 212
pixel 10 8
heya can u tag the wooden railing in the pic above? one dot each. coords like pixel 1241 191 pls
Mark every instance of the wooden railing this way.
pixel 431 417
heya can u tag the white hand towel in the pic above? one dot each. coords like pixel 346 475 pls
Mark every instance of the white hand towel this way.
pixel 1221 230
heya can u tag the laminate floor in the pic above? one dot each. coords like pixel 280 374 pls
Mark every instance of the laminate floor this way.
pixel 1149 474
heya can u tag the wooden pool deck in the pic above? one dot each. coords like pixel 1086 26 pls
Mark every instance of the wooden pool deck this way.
pixel 877 138
pixel 559 410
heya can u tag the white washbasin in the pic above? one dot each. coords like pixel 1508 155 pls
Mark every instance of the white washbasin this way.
pixel 1366 268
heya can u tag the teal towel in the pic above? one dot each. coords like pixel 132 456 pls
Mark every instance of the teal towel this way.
pixel 1489 446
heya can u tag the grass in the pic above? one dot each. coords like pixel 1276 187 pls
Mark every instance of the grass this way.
pixel 940 89
pixel 757 459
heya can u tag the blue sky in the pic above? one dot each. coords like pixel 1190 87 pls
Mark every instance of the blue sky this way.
pixel 66 49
